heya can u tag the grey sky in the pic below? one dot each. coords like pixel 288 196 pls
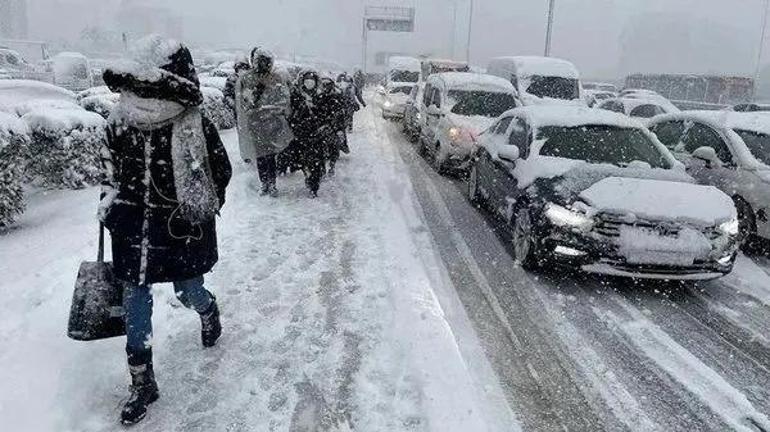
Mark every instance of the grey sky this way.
pixel 672 35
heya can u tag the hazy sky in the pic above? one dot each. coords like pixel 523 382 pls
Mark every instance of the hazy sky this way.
pixel 680 35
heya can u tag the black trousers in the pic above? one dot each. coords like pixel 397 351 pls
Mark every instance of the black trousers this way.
pixel 268 170
pixel 313 162
pixel 333 145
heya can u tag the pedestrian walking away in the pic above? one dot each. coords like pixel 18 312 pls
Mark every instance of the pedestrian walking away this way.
pixel 165 174
pixel 263 104
pixel 232 80
pixel 307 123
pixel 332 105
pixel 351 106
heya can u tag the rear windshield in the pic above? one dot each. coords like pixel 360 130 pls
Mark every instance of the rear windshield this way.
pixel 404 76
pixel 481 103
pixel 403 89
pixel 601 144
pixel 758 144
pixel 554 87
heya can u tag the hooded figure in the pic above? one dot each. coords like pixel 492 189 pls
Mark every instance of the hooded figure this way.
pixel 308 122
pixel 262 104
pixel 166 171
pixel 229 90
pixel 332 105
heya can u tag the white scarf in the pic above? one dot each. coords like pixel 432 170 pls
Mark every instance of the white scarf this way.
pixel 196 194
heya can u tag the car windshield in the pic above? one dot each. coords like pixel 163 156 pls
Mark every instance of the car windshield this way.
pixel 758 144
pixel 401 89
pixel 554 87
pixel 404 76
pixel 481 103
pixel 601 144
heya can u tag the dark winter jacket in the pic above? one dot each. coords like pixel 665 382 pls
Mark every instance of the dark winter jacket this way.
pixel 332 106
pixel 151 243
pixel 307 116
pixel 142 218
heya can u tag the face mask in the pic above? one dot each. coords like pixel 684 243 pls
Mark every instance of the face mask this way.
pixel 309 84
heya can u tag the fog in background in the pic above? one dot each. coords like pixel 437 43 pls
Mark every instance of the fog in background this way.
pixel 605 38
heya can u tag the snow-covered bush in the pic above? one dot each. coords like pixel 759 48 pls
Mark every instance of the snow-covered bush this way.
pixel 101 104
pixel 14 139
pixel 215 108
pixel 218 83
pixel 65 147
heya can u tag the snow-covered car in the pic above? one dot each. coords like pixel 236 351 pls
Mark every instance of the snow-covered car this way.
pixel 432 66
pixel 595 97
pixel 402 69
pixel 596 190
pixel 751 107
pixel 394 100
pixel 214 82
pixel 16 95
pixel 412 117
pixel 600 86
pixel 635 92
pixel 540 80
pixel 730 151
pixel 639 108
pixel 456 107
pixel 100 100
pixel 72 71
pixel 224 70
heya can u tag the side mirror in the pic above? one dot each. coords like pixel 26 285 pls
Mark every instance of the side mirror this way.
pixel 708 155
pixel 508 152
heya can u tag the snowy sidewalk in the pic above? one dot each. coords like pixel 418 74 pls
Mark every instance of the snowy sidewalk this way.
pixel 332 320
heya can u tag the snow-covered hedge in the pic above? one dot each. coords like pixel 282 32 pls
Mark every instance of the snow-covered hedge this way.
pixel 65 147
pixel 14 139
pixel 215 108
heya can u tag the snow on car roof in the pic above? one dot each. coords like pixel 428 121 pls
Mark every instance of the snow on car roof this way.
pixel 572 116
pixel 631 103
pixel 752 121
pixel 71 55
pixel 473 81
pixel 543 66
pixel 54 119
pixel 16 92
pixel 404 63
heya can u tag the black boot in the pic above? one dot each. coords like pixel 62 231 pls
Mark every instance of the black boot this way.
pixel 144 389
pixel 211 328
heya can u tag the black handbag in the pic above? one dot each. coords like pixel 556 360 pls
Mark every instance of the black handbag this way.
pixel 97 303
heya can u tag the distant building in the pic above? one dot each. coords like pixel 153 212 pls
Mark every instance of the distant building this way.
pixel 13 19
pixel 140 17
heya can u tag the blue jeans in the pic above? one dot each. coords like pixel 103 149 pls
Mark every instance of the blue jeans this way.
pixel 137 302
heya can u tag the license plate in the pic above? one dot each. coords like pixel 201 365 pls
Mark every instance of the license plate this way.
pixel 679 259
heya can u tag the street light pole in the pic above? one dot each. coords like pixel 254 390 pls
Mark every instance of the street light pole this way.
pixel 549 30
pixel 453 36
pixel 470 29
pixel 761 45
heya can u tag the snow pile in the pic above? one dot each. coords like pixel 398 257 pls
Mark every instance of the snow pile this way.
pixel 26 107
pixel 18 92
pixel 101 104
pixel 474 82
pixel 14 139
pixel 67 142
pixel 216 109
pixel 94 91
pixel 214 82
pixel 703 206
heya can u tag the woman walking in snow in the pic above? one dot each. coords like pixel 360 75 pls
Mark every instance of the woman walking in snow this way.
pixel 307 122
pixel 166 171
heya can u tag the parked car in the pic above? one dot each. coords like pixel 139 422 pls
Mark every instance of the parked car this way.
pixel 412 116
pixel 751 107
pixel 595 97
pixel 540 80
pixel 599 86
pixel 639 108
pixel 403 69
pixel 597 191
pixel 435 66
pixel 456 107
pixel 72 71
pixel 394 100
pixel 730 151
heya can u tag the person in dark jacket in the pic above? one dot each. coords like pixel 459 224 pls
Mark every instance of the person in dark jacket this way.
pixel 166 171
pixel 359 80
pixel 229 90
pixel 332 105
pixel 348 89
pixel 307 123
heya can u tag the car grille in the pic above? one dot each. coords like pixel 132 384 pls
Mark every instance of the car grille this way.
pixel 609 226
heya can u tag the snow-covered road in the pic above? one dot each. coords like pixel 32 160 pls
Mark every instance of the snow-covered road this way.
pixel 337 315
pixel 388 304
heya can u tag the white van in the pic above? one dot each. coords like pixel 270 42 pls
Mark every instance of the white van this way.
pixel 540 80
pixel 403 70
pixel 434 66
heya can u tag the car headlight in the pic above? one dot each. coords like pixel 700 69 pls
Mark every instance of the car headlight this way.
pixel 454 133
pixel 730 227
pixel 564 217
pixel 388 104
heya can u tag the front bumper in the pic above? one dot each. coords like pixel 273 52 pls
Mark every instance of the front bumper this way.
pixel 598 254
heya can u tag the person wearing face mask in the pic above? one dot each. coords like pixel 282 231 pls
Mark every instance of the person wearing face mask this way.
pixel 165 174
pixel 332 106
pixel 262 104
pixel 307 123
